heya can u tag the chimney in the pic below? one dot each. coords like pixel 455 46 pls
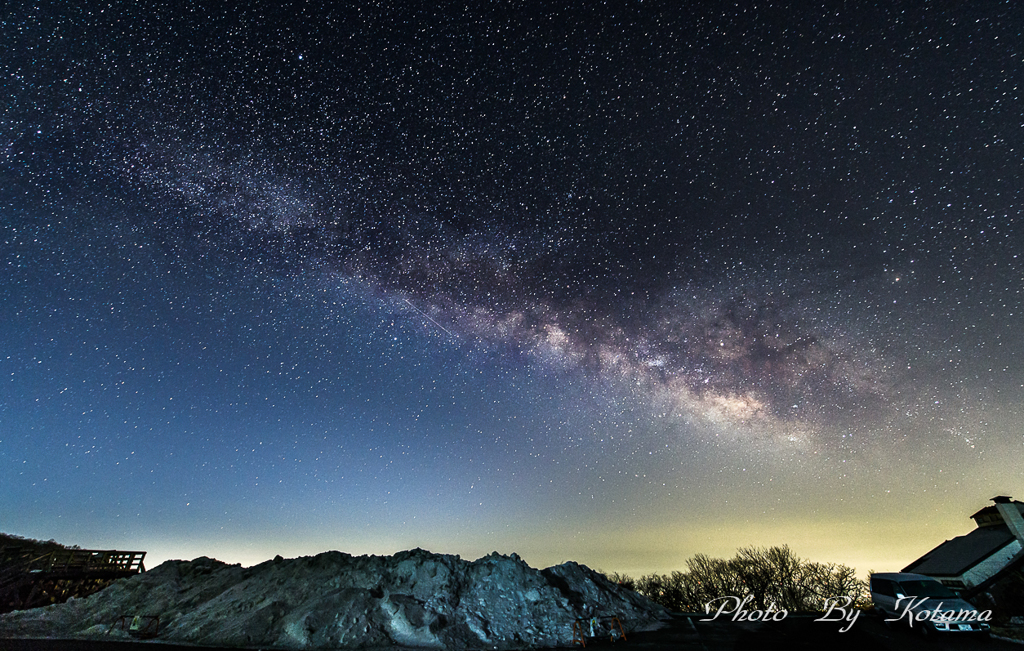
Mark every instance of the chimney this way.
pixel 1011 516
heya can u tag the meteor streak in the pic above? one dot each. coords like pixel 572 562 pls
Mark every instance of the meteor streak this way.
pixel 428 318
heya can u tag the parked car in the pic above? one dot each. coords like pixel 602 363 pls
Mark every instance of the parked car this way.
pixel 923 603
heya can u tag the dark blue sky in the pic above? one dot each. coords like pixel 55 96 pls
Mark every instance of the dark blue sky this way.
pixel 620 283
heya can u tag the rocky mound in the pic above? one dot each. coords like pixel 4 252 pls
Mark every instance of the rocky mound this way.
pixel 332 600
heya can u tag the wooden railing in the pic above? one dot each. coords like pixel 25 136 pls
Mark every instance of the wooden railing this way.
pixel 29 578
pixel 86 560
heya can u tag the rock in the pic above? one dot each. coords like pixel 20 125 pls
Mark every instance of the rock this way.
pixel 333 600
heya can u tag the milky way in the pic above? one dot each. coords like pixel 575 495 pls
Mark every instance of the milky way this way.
pixel 671 236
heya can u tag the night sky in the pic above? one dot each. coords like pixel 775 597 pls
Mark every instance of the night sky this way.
pixel 614 282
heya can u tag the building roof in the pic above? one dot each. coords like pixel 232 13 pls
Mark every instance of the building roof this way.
pixel 990 514
pixel 956 556
pixel 901 576
pixel 1014 566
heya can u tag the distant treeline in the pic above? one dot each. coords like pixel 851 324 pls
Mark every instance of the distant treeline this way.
pixel 771 577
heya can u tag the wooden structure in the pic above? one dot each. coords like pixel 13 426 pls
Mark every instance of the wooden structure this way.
pixel 30 577
pixel 597 627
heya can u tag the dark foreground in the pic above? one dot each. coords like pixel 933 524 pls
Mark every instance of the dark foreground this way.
pixel 686 633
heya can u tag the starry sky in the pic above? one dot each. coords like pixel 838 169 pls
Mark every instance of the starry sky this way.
pixel 615 282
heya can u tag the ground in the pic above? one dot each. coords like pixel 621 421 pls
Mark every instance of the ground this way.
pixel 686 633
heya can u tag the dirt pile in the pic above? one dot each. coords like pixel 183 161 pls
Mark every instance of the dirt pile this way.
pixel 414 598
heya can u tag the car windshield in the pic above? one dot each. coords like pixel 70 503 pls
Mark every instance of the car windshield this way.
pixel 926 589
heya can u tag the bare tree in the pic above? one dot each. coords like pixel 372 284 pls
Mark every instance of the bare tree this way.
pixel 772 577
pixel 623 580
